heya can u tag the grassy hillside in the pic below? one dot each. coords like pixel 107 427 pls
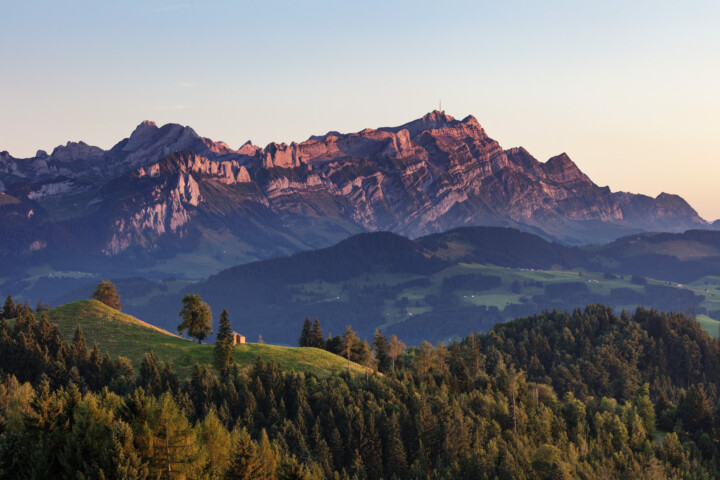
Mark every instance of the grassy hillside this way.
pixel 709 325
pixel 122 334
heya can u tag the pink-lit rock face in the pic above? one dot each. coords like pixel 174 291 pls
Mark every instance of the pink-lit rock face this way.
pixel 428 175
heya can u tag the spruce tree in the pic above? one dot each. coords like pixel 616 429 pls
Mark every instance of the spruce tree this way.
pixel 268 459
pixel 224 344
pixel 79 348
pixel 317 335
pixel 244 462
pixel 348 341
pixel 175 451
pixel 382 351
pixel 9 310
pixel 306 334
pixel 150 373
pixel 396 349
pixel 291 469
pixel 215 440
pixel 396 463
pixel 124 455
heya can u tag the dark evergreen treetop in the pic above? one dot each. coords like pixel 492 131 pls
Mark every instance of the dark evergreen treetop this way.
pixel 305 339
pixel 9 311
pixel 317 339
pixel 224 344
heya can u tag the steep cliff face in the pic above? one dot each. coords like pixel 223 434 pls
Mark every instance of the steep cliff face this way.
pixel 167 184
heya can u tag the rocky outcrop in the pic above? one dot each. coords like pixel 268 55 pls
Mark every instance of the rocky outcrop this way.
pixel 429 175
pixel 51 189
pixel 148 143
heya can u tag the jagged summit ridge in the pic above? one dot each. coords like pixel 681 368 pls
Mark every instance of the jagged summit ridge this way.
pixel 168 184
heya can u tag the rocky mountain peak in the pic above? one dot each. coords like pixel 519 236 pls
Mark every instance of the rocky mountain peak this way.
pixel 281 155
pixel 145 127
pixel 471 121
pixel 248 149
pixel 149 143
pixel 437 116
pixel 431 121
pixel 77 151
pixel 561 168
pixel 141 134
pixel 674 204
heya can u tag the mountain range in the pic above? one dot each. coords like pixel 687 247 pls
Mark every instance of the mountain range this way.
pixel 168 201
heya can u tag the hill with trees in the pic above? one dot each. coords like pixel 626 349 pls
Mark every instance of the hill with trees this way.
pixel 587 394
pixel 448 285
pixel 121 335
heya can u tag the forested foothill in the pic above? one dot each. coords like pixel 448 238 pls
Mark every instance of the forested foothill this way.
pixel 442 286
pixel 582 394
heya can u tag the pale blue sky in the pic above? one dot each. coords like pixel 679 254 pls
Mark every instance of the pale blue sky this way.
pixel 630 90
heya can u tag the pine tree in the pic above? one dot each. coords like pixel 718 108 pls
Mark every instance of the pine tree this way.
pixel 9 311
pixel 458 370
pixel 475 356
pixel 348 341
pixel 441 357
pixel 244 461
pixel 425 358
pixel 126 458
pixel 150 373
pixel 396 349
pixel 306 334
pixel 79 348
pixel 197 317
pixel 268 459
pixel 215 440
pixel 368 359
pixel 317 335
pixel 291 469
pixel 224 344
pixel 357 467
pixel 106 292
pixel 174 448
pixel 382 351
pixel 394 450
pixel 695 409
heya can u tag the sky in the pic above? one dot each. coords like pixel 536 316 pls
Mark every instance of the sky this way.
pixel 630 90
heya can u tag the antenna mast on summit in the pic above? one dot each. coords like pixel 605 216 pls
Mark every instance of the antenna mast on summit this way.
pixel 440 104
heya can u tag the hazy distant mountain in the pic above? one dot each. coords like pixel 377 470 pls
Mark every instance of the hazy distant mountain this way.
pixel 168 196
pixel 422 289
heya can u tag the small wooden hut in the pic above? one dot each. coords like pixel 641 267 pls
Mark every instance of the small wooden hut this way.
pixel 237 338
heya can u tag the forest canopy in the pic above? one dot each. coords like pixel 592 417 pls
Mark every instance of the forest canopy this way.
pixel 582 394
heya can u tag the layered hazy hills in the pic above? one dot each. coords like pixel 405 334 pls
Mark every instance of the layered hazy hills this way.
pixel 440 285
pixel 166 192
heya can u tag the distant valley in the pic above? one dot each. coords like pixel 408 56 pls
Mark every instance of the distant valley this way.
pixel 444 285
